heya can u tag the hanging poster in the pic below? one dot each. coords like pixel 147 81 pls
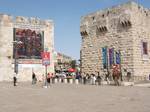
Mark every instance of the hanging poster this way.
pixel 118 57
pixel 111 56
pixel 32 43
pixel 104 57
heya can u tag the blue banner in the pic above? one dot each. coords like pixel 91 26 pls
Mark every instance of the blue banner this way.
pixel 104 57
pixel 118 58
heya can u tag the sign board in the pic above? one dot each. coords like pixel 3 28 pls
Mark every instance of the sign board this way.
pixel 45 58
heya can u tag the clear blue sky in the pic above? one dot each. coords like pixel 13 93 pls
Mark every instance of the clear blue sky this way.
pixel 65 14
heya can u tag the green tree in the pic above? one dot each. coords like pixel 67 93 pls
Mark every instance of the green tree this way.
pixel 73 64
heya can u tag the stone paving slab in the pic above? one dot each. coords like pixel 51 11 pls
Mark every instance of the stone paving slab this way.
pixel 143 85
pixel 73 98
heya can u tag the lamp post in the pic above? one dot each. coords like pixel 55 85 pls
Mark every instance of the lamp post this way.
pixel 45 61
pixel 16 56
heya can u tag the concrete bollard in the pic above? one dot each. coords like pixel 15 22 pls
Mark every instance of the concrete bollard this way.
pixel 104 82
pixel 76 81
pixel 65 81
pixel 55 80
pixel 70 81
pixel 127 83
pixel 60 80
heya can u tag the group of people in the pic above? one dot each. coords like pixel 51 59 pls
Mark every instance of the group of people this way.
pixel 84 78
pixel 93 79
pixel 114 74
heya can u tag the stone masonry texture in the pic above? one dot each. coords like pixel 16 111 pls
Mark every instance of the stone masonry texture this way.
pixel 124 27
pixel 26 66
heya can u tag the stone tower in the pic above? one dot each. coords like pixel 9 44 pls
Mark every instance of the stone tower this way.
pixel 6 39
pixel 8 27
pixel 123 29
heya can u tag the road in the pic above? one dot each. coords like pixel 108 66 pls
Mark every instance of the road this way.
pixel 73 98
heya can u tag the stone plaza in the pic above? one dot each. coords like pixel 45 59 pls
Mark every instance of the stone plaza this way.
pixel 73 98
pixel 123 29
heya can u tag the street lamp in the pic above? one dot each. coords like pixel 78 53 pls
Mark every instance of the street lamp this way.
pixel 15 56
pixel 46 62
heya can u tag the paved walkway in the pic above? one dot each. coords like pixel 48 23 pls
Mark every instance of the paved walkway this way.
pixel 143 83
pixel 73 98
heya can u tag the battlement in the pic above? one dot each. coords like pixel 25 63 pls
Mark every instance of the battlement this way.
pixel 32 21
pixel 124 15
pixel 5 18
pixel 125 10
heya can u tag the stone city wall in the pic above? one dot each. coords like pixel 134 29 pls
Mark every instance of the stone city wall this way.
pixel 123 28
pixel 26 66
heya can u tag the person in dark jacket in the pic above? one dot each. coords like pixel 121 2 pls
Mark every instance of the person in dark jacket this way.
pixel 15 80
pixel 34 79
pixel 99 79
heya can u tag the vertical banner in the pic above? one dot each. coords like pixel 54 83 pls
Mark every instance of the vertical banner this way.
pixel 118 57
pixel 104 57
pixel 111 56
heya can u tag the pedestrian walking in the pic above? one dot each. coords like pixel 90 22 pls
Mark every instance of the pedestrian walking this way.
pixel 99 79
pixel 84 79
pixel 93 79
pixel 128 76
pixel 15 79
pixel 49 75
pixel 34 79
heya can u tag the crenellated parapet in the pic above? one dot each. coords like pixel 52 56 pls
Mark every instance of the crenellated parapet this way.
pixel 6 20
pixel 83 30
pixel 109 19
pixel 21 19
pixel 34 23
pixel 113 19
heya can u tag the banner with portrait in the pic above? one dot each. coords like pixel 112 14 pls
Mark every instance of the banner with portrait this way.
pixel 31 43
